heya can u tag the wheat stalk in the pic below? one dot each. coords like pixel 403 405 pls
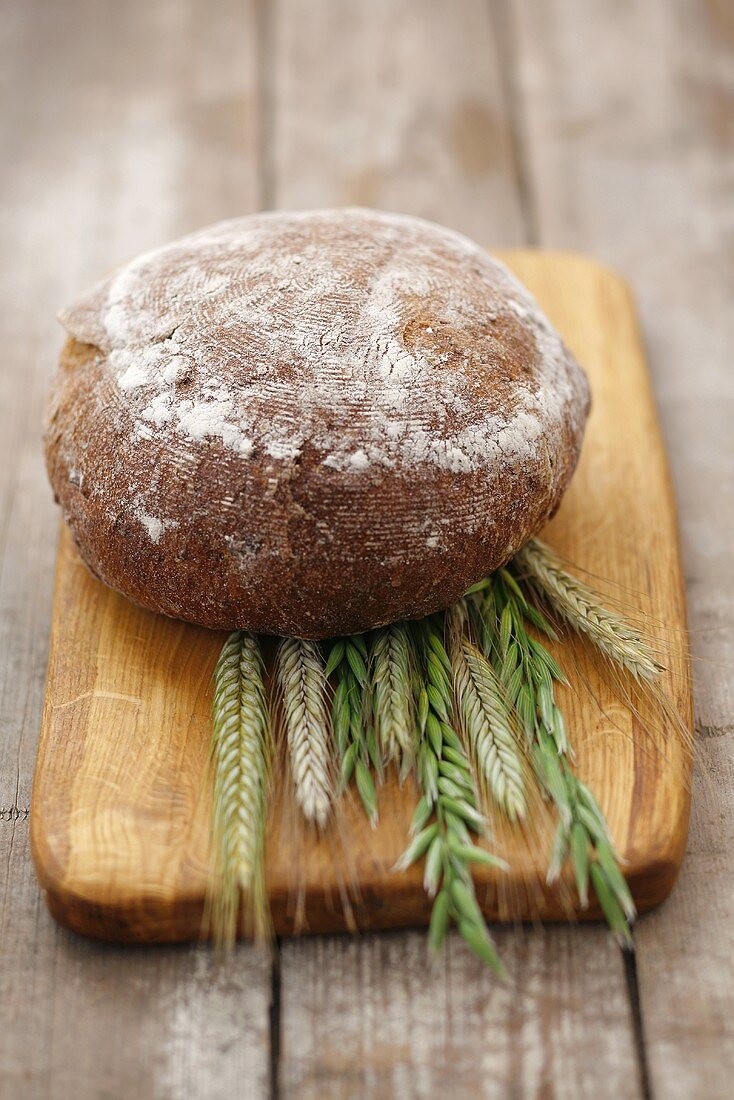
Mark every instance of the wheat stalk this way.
pixel 392 691
pixel 485 718
pixel 447 797
pixel 241 752
pixel 580 606
pixel 529 673
pixel 355 737
pixel 302 686
pixel 411 688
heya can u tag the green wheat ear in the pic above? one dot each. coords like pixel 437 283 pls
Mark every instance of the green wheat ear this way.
pixel 302 687
pixel 447 812
pixel 241 750
pixel 529 674
pixel 579 605
pixel 354 733
pixel 392 692
pixel 486 718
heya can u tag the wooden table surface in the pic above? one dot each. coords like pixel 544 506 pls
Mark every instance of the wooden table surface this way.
pixel 605 126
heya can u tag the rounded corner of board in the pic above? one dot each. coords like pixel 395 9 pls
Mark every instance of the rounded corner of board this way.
pixel 127 923
pixel 49 864
pixel 654 884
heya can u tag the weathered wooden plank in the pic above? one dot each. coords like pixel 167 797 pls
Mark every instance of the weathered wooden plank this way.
pixel 84 1020
pixel 393 105
pixel 122 125
pixel 629 114
pixel 373 1018
pixel 405 105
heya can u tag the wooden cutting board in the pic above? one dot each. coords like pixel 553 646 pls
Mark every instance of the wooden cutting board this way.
pixel 121 802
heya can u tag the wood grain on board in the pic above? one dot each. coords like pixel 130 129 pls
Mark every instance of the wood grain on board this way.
pixel 120 818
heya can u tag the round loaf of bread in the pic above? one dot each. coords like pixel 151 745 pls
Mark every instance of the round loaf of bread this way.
pixel 310 423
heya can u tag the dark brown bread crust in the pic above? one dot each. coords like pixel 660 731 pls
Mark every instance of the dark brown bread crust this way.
pixel 225 452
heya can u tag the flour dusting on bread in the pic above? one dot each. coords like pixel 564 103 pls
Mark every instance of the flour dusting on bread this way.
pixel 310 423
pixel 265 331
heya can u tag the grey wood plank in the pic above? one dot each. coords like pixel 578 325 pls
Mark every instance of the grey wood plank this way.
pixel 123 125
pixel 373 1018
pixel 85 1019
pixel 630 151
pixel 406 105
pixel 393 105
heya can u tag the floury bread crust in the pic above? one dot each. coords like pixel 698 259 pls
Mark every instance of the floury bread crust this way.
pixel 310 424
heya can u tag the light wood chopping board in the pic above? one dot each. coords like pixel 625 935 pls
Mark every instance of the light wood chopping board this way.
pixel 121 803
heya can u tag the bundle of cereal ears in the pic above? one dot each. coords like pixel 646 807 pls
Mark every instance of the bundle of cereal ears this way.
pixel 346 429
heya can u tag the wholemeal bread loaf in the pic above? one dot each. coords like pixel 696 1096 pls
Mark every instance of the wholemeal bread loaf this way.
pixel 310 424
